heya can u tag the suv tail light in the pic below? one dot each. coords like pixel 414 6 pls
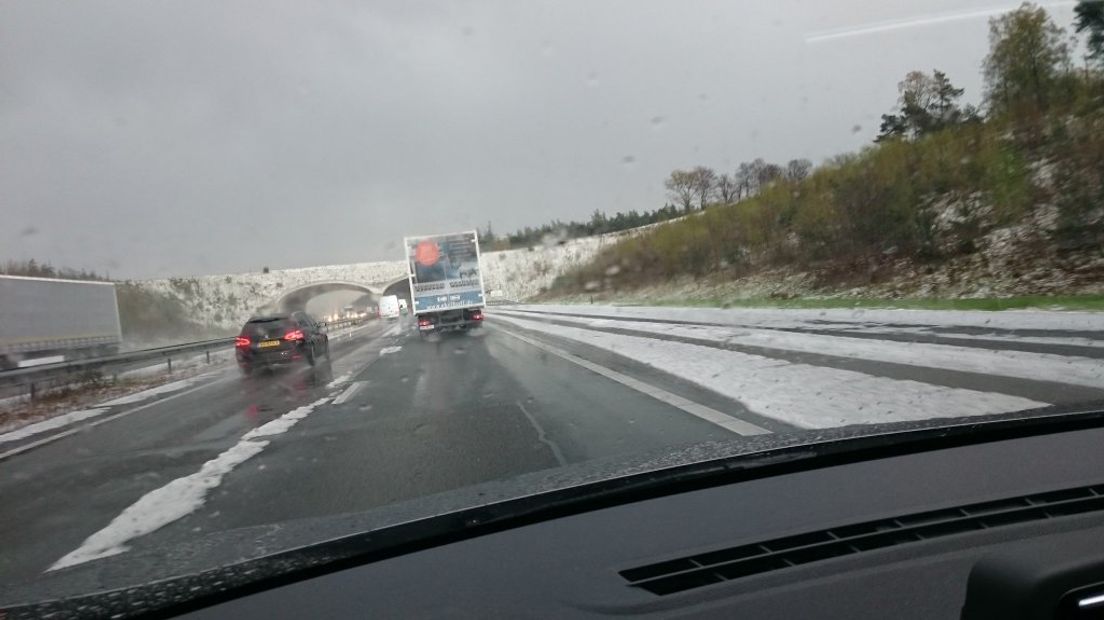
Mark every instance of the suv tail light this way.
pixel 295 334
pixel 241 342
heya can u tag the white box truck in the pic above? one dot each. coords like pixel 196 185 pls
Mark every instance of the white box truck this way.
pixel 45 319
pixel 446 281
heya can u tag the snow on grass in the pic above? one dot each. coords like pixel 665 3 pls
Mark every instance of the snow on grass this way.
pixel 851 318
pixel 798 394
pixel 138 397
pixel 1018 364
pixel 178 498
pixel 50 424
pixel 522 273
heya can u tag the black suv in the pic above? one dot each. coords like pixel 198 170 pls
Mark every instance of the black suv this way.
pixel 274 339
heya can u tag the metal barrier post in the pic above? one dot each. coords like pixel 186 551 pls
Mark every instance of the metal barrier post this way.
pixel 170 364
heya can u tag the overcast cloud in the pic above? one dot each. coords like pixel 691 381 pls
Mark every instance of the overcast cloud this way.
pixel 148 139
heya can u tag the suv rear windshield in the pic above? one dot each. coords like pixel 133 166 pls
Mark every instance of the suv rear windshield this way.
pixel 268 326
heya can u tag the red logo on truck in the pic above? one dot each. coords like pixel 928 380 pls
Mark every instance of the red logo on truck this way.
pixel 426 253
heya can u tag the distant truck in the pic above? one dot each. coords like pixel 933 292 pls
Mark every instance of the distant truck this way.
pixel 48 320
pixel 446 281
pixel 389 307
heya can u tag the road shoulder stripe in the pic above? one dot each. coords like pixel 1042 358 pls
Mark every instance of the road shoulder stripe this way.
pixel 725 421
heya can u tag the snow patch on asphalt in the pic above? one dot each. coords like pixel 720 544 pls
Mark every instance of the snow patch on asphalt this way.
pixel 850 318
pixel 138 397
pixel 50 424
pixel 180 497
pixel 341 379
pixel 799 394
pixel 389 350
pixel 1074 370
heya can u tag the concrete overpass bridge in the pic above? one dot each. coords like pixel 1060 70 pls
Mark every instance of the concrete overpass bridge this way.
pixel 227 300
pixel 297 298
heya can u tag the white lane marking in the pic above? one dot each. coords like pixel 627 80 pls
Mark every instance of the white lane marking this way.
pixel 95 423
pixel 389 350
pixel 543 437
pixel 349 392
pixel 154 391
pixel 341 379
pixel 726 422
pixel 50 424
pixel 178 498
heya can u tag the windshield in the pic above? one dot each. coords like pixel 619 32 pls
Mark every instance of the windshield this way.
pixel 545 243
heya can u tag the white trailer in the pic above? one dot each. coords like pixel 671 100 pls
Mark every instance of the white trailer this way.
pixel 51 318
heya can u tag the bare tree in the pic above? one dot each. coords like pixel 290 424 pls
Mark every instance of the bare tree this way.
pixel 704 180
pixel 763 174
pixel 726 189
pixel 681 186
pixel 744 179
pixel 798 169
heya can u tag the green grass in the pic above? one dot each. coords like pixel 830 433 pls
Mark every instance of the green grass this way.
pixel 1057 302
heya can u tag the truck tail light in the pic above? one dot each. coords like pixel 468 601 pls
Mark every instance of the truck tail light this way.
pixel 477 315
pixel 295 334
pixel 424 322
pixel 241 342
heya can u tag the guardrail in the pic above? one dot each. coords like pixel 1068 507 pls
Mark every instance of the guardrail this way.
pixel 34 378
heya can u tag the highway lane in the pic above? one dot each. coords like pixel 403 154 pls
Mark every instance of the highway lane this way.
pixel 436 416
pixel 404 418
pixel 56 495
pixel 398 418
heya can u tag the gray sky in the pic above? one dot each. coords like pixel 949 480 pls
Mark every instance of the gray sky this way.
pixel 178 137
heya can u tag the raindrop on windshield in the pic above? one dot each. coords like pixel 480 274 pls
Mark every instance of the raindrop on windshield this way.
pixel 592 79
pixel 657 122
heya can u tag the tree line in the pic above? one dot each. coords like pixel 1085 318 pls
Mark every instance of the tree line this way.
pixel 1037 138
pixel 1029 67
pixel 34 269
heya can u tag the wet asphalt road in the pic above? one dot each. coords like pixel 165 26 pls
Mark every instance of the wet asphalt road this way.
pixel 402 418
pixel 414 417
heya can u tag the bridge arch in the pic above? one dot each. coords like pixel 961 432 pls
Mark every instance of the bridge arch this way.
pixel 400 288
pixel 297 298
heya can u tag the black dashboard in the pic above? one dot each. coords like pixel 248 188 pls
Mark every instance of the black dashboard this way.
pixel 893 537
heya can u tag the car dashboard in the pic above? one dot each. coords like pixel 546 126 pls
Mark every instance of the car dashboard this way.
pixel 905 536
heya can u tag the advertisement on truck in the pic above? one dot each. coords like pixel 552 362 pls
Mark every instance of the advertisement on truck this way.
pixel 444 272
